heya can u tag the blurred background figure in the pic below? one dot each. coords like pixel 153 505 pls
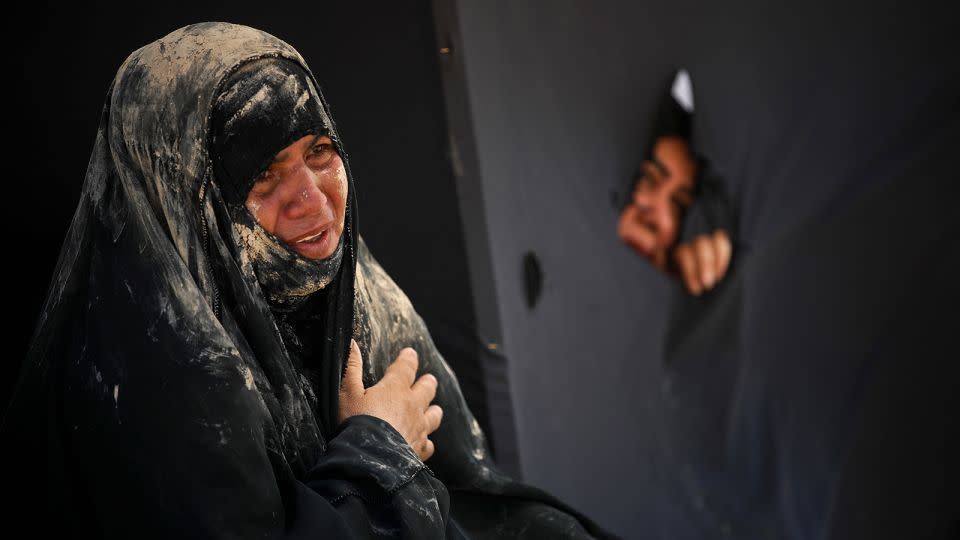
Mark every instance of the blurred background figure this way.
pixel 668 184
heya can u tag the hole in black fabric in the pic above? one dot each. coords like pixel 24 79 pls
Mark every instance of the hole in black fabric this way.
pixel 532 278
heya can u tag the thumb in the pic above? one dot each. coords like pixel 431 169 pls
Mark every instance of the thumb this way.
pixel 352 382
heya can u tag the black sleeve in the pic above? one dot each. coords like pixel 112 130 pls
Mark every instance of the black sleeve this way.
pixel 712 207
pixel 186 449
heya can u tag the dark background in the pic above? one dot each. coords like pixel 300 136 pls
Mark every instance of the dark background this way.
pixel 812 395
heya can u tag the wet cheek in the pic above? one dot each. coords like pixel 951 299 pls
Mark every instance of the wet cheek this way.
pixel 342 181
pixel 264 211
pixel 341 191
pixel 668 233
pixel 641 198
pixel 254 206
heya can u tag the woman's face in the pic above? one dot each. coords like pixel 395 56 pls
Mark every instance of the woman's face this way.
pixel 651 223
pixel 301 198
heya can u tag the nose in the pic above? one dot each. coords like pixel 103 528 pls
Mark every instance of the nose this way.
pixel 653 208
pixel 306 196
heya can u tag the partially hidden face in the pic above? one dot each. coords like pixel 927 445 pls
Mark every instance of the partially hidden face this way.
pixel 301 197
pixel 650 223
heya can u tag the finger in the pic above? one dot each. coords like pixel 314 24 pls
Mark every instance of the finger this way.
pixel 706 260
pixel 425 449
pixel 425 388
pixel 404 368
pixel 433 418
pixel 687 265
pixel 352 382
pixel 724 251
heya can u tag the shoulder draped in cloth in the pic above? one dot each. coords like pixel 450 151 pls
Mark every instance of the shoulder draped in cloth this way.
pixel 164 395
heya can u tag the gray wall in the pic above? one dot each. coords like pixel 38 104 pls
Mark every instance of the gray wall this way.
pixel 560 98
pixel 835 130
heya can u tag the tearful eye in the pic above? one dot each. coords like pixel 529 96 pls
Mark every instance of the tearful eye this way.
pixel 643 183
pixel 321 154
pixel 263 183
pixel 322 148
pixel 263 177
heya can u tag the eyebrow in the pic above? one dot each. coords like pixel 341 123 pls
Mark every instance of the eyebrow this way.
pixel 660 165
pixel 317 137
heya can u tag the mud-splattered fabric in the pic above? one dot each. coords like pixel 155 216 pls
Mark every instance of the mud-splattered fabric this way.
pixel 261 108
pixel 163 397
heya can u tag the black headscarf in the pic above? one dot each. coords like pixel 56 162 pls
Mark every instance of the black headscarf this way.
pixel 173 389
pixel 261 108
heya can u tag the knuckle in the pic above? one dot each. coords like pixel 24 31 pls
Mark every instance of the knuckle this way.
pixel 408 356
pixel 703 246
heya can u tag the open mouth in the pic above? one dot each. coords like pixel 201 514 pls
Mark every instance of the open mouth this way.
pixel 312 239
pixel 316 245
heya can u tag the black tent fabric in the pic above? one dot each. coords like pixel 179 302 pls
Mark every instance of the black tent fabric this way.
pixel 762 408
pixel 814 393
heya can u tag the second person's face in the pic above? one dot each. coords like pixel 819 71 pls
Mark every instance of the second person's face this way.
pixel 301 198
pixel 651 222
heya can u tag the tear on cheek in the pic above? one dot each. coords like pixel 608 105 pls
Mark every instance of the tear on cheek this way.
pixel 342 183
pixel 254 208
